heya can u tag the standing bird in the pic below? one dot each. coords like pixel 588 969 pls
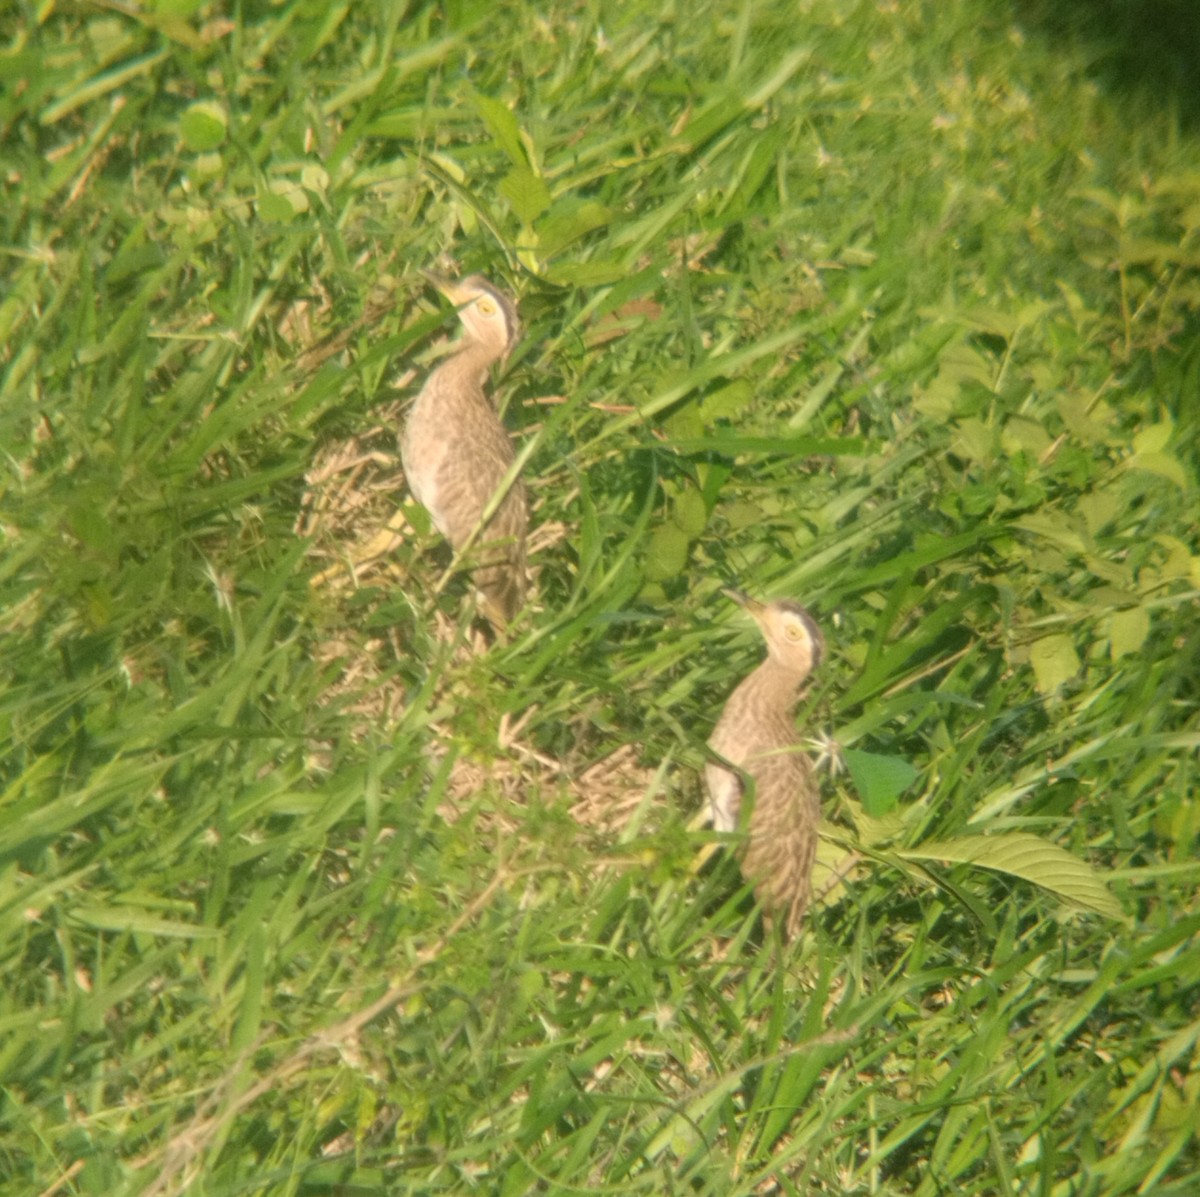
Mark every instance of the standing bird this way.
pixel 456 452
pixel 756 733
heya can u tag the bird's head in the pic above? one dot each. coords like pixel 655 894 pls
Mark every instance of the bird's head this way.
pixel 793 638
pixel 488 315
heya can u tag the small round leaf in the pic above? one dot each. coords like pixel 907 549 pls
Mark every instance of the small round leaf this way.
pixel 203 127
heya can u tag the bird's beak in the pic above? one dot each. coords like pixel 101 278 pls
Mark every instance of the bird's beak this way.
pixel 444 286
pixel 751 606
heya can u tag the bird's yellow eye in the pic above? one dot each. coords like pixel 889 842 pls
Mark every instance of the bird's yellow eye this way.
pixel 792 631
pixel 486 306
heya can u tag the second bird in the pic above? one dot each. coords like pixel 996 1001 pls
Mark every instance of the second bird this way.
pixel 756 734
pixel 456 451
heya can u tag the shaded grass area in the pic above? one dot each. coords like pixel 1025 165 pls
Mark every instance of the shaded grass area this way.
pixel 1142 51
pixel 885 308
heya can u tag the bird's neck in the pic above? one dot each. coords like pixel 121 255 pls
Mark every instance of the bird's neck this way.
pixel 774 686
pixel 472 362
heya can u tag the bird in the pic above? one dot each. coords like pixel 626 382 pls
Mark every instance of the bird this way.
pixel 456 452
pixel 755 738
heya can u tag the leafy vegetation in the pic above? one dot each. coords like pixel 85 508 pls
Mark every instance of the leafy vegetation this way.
pixel 889 308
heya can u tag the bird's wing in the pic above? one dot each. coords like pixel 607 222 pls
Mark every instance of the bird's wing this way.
pixel 724 796
pixel 783 836
pixel 470 474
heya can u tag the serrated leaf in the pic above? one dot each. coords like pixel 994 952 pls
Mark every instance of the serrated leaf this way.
pixel 959 364
pixel 526 193
pixel 1127 631
pixel 203 126
pixel 976 441
pixel 1031 858
pixel 1099 509
pixel 1084 419
pixel 879 780
pixel 1058 528
pixel 874 831
pixel 728 401
pixel 993 321
pixel 1163 464
pixel 1024 435
pixel 502 125
pixel 1153 439
pixel 1054 661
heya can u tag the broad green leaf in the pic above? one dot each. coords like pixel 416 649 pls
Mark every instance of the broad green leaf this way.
pixel 205 167
pixel 294 193
pixel 728 401
pixel 1179 562
pixel 502 125
pixel 958 364
pixel 879 780
pixel 685 422
pixel 1085 419
pixel 1023 435
pixel 1030 858
pixel 1099 508
pixel 1054 661
pixel 1165 465
pixel 203 127
pixel 666 554
pixel 976 441
pixel 1056 527
pixel 275 207
pixel 1147 251
pixel 874 830
pixel 1153 439
pixel 741 514
pixel 596 273
pixel 689 512
pixel 89 524
pixel 1127 631
pixel 567 220
pixel 526 193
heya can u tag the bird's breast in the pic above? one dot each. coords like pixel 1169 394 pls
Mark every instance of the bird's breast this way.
pixel 424 445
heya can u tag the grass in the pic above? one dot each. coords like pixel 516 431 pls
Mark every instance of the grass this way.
pixel 889 308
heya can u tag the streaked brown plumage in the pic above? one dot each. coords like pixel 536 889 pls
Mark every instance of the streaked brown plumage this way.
pixel 456 451
pixel 756 733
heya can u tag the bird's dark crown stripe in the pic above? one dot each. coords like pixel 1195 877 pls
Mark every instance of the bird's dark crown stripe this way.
pixel 818 641
pixel 810 626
